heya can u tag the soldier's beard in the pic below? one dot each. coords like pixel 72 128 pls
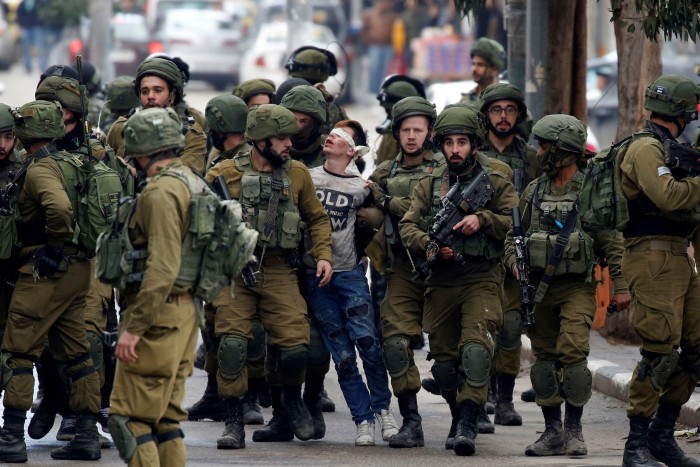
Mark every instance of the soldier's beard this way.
pixel 217 140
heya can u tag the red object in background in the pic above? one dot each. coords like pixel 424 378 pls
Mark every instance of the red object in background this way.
pixel 397 66
pixel 155 47
pixel 75 47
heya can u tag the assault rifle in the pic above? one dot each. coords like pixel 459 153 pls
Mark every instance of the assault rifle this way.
pixel 455 205
pixel 248 273
pixel 679 156
pixel 527 291
pixel 518 181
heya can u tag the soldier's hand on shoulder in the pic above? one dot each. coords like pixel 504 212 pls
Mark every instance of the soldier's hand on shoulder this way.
pixel 324 270
pixel 469 225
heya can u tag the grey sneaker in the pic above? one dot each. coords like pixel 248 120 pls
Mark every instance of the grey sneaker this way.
pixel 387 423
pixel 365 434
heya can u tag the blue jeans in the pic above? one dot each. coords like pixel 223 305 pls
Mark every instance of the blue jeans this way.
pixel 379 59
pixel 344 312
pixel 35 36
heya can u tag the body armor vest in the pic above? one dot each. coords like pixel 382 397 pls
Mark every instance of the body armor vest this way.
pixel 516 158
pixel 550 211
pixel 256 190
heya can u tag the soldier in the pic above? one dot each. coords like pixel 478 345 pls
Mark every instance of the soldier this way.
pixel 463 285
pixel 316 65
pixel 160 83
pixel 488 60
pixel 343 309
pixel 256 92
pixel 564 310
pixel 663 212
pixel 49 296
pixel 505 110
pixel 277 194
pixel 286 86
pixel 120 101
pixel 10 163
pixel 392 182
pixel 158 331
pixel 309 107
pixel 226 116
pixel 393 89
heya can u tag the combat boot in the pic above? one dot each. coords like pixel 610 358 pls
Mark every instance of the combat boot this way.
pixel 505 412
pixel 278 428
pixel 465 436
pixel 297 413
pixel 211 405
pixel 252 413
pixel 43 419
pixel 263 391
pixel 13 449
pixel 528 395
pixel 430 385
pixel 312 398
pixel 573 431
pixel 636 447
pixel 234 431
pixel 456 416
pixel 67 429
pixel 410 434
pixel 484 424
pixel 660 439
pixel 552 442
pixel 492 395
pixel 327 404
pixel 85 445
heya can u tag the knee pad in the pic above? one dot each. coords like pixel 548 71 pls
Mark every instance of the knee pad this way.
pixel 256 346
pixel 509 336
pixel 476 364
pixel 96 349
pixel 293 360
pixel 659 367
pixel 318 353
pixel 232 355
pixel 690 360
pixel 545 380
pixel 6 373
pixel 79 367
pixel 577 383
pixel 396 355
pixel 168 432
pixel 123 438
pixel 445 374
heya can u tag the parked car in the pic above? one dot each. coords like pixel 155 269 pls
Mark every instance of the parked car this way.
pixel 267 55
pixel 131 43
pixel 327 13
pixel 155 10
pixel 208 40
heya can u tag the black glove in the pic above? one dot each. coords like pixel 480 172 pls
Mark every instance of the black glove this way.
pixel 48 260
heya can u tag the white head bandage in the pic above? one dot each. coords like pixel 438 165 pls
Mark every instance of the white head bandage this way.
pixel 360 150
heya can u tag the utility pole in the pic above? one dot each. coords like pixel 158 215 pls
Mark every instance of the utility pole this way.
pixel 516 27
pixel 100 14
pixel 536 59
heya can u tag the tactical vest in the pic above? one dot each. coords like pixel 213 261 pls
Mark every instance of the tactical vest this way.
pixel 542 233
pixel 477 245
pixel 400 183
pixel 516 158
pixel 9 212
pixel 256 189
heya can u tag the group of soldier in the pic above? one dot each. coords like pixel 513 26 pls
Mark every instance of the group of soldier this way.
pixel 435 218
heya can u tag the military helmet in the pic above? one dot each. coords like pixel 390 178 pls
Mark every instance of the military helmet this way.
pixel 163 68
pixel 64 90
pixel 409 107
pixel 562 131
pixel 312 63
pixel 286 86
pixel 65 71
pixel 152 131
pixel 269 120
pixel 307 100
pixel 39 120
pixel 226 114
pixel 491 51
pixel 503 91
pixel 673 96
pixel 6 119
pixel 252 87
pixel 396 87
pixel 91 77
pixel 120 94
pixel 459 119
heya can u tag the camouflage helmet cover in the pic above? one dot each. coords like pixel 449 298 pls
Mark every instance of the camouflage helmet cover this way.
pixel 490 50
pixel 252 87
pixel 151 131
pixel 396 87
pixel 64 90
pixel 312 63
pixel 6 119
pixel 163 68
pixel 269 120
pixel 503 91
pixel 120 94
pixel 459 119
pixel 673 96
pixel 307 100
pixel 409 107
pixel 562 131
pixel 39 120
pixel 226 114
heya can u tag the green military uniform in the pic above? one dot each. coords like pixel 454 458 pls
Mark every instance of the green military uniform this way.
pixel 120 101
pixel 308 148
pixel 49 296
pixel 335 112
pixel 663 211
pixel 563 315
pixel 388 147
pixel 160 310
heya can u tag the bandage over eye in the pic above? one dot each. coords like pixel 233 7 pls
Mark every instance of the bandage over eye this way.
pixel 360 150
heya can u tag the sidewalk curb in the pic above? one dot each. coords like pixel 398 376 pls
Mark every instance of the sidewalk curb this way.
pixel 614 380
